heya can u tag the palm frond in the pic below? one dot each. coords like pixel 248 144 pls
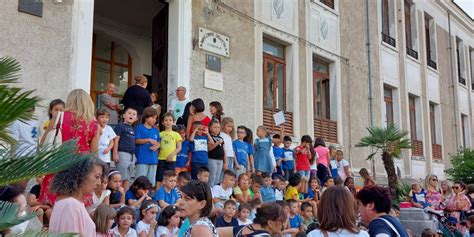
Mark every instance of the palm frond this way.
pixel 47 233
pixel 8 215
pixel 389 139
pixel 46 161
pixel 9 70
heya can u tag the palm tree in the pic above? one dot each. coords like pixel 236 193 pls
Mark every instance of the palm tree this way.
pixel 17 104
pixel 390 141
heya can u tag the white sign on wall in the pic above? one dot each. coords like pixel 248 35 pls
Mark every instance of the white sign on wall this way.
pixel 213 80
pixel 213 42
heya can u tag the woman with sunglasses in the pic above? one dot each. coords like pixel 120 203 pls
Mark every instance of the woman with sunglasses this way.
pixel 434 197
pixel 458 202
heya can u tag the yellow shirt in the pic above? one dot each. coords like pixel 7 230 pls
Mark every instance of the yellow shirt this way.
pixel 168 144
pixel 291 192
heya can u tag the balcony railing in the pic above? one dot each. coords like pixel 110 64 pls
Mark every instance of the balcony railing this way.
pixel 412 53
pixel 269 123
pixel 462 80
pixel 472 86
pixel 416 148
pixel 326 129
pixel 437 152
pixel 389 40
pixel 431 63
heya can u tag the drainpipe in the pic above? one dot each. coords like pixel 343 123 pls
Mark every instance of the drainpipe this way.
pixel 369 74
pixel 453 81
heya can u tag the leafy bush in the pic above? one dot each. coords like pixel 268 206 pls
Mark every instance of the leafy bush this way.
pixel 463 166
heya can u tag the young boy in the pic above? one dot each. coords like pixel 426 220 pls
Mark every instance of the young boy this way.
pixel 26 134
pixel 203 174
pixel 289 160
pixel 328 182
pixel 278 153
pixel 267 191
pixel 242 150
pixel 306 215
pixel 106 140
pixel 294 184
pixel 295 219
pixel 124 147
pixel 257 183
pixel 417 195
pixel 182 159
pixel 279 185
pixel 147 142
pixel 167 194
pixel 170 147
pixel 183 179
pixel 244 212
pixel 200 139
pixel 254 204
pixel 221 193
pixel 228 219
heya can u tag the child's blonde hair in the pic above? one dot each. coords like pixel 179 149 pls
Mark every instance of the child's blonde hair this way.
pixel 227 120
pixel 101 217
pixel 80 102
pixel 261 127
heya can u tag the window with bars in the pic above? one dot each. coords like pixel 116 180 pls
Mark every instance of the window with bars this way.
pixel 329 3
pixel 323 125
pixel 464 131
pixel 412 109
pixel 410 29
pixel 460 61
pixel 430 42
pixel 433 123
pixel 388 23
pixel 388 100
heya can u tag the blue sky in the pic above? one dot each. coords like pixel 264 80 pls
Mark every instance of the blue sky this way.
pixel 467 6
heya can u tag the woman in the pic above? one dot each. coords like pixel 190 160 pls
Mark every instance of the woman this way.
pixel 268 222
pixel 197 114
pixel 78 123
pixel 154 101
pixel 197 206
pixel 137 96
pixel 337 214
pixel 433 196
pixel 323 159
pixel 458 202
pixel 446 189
pixel 69 213
pixel 216 110
pixel 470 196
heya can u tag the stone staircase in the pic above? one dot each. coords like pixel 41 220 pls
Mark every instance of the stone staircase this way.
pixel 416 219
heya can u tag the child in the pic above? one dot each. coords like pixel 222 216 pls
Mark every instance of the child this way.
pixel 124 219
pixel 25 133
pixel 368 180
pixel 117 193
pixel 257 183
pixel 294 183
pixel 418 196
pixel 217 159
pixel 306 215
pixel 147 140
pixel 328 182
pixel 243 216
pixel 342 165
pixel 124 147
pixel 349 184
pixel 263 156
pixel 170 147
pixel 333 161
pixel 249 140
pixel 228 219
pixel 148 211
pixel 278 153
pixel 167 194
pixel 104 218
pixel 254 204
pixel 267 191
pixel 106 140
pixel 289 160
pixel 100 195
pixel 138 192
pixel 304 158
pixel 35 204
pixel 200 139
pixel 279 185
pixel 221 193
pixel 168 222
pixel 203 174
pixel 55 106
pixel 314 195
pixel 295 219
pixel 182 159
pixel 228 134
pixel 241 191
pixel 242 150
pixel 183 179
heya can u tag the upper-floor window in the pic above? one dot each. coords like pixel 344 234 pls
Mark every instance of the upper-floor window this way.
pixel 388 100
pixel 388 22
pixel 471 66
pixel 433 123
pixel 321 91
pixel 465 130
pixel 430 41
pixel 412 109
pixel 460 61
pixel 410 29
pixel 329 3
pixel 274 76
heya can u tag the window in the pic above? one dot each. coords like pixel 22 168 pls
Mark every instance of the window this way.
pixel 430 41
pixel 111 63
pixel 388 99
pixel 274 75
pixel 464 130
pixel 323 125
pixel 412 109
pixel 460 61
pixel 433 124
pixel 329 3
pixel 410 29
pixel 471 66
pixel 388 23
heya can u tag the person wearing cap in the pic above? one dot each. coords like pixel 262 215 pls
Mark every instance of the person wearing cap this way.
pixel 452 230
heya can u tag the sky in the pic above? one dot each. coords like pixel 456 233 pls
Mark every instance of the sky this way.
pixel 467 6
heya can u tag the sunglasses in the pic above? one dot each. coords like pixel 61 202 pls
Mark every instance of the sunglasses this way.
pixel 451 224
pixel 456 187
pixel 434 180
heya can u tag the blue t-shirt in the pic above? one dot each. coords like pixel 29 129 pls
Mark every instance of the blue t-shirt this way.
pixel 169 198
pixel 127 137
pixel 268 194
pixel 289 162
pixel 142 151
pixel 420 198
pixel 242 150
pixel 220 222
pixel 295 222
pixel 129 195
pixel 183 155
pixel 378 226
pixel 200 149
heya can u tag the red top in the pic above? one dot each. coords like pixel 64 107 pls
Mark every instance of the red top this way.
pixel 302 159
pixel 205 122
pixel 72 128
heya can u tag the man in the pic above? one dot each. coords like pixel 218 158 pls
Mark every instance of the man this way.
pixel 452 230
pixel 177 105
pixel 374 205
pixel 110 103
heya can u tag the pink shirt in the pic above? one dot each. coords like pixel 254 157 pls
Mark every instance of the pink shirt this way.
pixel 70 216
pixel 323 155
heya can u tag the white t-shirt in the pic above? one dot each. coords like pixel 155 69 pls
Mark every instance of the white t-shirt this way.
pixel 279 195
pixel 314 165
pixel 26 134
pixel 340 168
pixel 228 148
pixel 246 222
pixel 218 192
pixel 339 233
pixel 104 141
pixel 131 232
pixel 162 230
pixel 178 107
pixel 142 226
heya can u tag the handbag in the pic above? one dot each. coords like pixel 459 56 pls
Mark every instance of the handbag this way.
pixel 54 137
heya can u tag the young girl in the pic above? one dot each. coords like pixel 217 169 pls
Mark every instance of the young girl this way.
pixel 228 134
pixel 263 153
pixel 138 192
pixel 101 195
pixel 216 110
pixel 314 194
pixel 148 211
pixel 249 140
pixel 147 138
pixel 304 158
pixel 182 159
pixel 124 219
pixel 242 151
pixel 368 180
pixel 117 193
pixel 323 159
pixel 349 183
pixel 241 191
pixel 243 216
pixel 55 106
pixel 216 154
pixel 104 218
pixel 168 222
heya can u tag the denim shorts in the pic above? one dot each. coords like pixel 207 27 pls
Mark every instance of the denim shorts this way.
pixel 304 173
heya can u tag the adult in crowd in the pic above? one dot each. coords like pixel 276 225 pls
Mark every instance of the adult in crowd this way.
pixel 107 101
pixel 78 123
pixel 470 196
pixel 458 203
pixel 446 189
pixel 197 114
pixel 337 214
pixel 154 100
pixel 14 193
pixel 137 96
pixel 268 222
pixel 178 104
pixel 197 206
pixel 374 205
pixel 69 213
pixel 433 196
pixel 216 110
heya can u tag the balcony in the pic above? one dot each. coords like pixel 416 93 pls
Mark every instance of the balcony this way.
pixel 436 152
pixel 431 63
pixel 412 53
pixel 462 80
pixel 472 86
pixel 389 40
pixel 416 148
pixel 269 122
pixel 326 129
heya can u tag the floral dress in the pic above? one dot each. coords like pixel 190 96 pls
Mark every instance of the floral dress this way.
pixel 451 204
pixel 435 199
pixel 262 156
pixel 203 221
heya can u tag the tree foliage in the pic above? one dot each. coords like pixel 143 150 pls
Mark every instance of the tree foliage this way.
pixel 463 166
